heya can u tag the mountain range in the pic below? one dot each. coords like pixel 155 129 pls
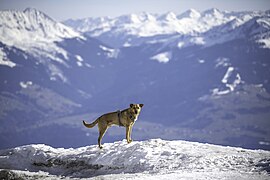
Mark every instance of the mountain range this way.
pixel 187 29
pixel 203 76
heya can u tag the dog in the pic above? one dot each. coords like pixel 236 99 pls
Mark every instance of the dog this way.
pixel 125 118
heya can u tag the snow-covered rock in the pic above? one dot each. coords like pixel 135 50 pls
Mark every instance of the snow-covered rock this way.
pixel 149 159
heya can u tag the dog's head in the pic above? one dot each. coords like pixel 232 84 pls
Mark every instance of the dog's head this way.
pixel 135 109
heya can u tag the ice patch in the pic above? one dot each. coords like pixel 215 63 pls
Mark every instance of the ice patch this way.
pixel 26 84
pixel 231 86
pixel 227 75
pixel 79 58
pixel 162 57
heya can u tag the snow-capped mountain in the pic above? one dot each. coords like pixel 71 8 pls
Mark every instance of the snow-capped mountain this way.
pixel 23 26
pixel 203 76
pixel 151 159
pixel 34 32
pixel 192 27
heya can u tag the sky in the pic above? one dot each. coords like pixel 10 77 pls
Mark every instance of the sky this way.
pixel 66 9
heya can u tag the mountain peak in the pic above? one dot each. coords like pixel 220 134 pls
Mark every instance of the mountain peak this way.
pixel 212 12
pixel 30 9
pixel 23 29
pixel 169 16
pixel 129 19
pixel 34 13
pixel 145 16
pixel 35 22
pixel 191 13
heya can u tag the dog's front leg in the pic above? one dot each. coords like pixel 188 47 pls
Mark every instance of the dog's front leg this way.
pixel 128 133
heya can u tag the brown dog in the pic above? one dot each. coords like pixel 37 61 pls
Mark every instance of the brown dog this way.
pixel 124 118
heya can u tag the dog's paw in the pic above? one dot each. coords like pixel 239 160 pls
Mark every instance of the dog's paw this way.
pixel 129 141
pixel 100 147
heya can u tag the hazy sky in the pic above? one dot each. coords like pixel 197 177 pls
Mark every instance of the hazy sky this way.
pixel 65 9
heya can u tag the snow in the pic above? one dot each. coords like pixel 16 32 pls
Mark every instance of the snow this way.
pixel 25 84
pixel 227 75
pixel 197 40
pixel 163 57
pixel 191 13
pixel 205 28
pixel 79 60
pixel 31 25
pixel 235 82
pixel 229 80
pixel 218 92
pixel 265 42
pixel 34 32
pixel 201 61
pixel 111 53
pixel 150 159
pixel 37 34
pixel 4 61
pixel 180 44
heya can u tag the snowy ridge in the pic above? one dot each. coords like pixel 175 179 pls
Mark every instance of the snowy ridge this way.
pixel 191 27
pixel 34 32
pixel 147 24
pixel 146 159
pixel 31 25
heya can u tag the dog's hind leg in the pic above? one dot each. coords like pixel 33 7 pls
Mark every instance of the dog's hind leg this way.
pixel 102 130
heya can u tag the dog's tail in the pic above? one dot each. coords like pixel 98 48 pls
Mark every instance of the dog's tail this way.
pixel 91 124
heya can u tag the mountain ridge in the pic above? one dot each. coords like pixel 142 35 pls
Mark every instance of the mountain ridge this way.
pixel 188 24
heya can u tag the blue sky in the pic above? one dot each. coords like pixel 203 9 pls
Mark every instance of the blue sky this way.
pixel 65 9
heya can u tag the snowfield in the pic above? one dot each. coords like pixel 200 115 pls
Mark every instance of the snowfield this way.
pixel 150 159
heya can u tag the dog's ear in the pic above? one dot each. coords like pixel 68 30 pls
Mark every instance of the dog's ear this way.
pixel 141 105
pixel 131 105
